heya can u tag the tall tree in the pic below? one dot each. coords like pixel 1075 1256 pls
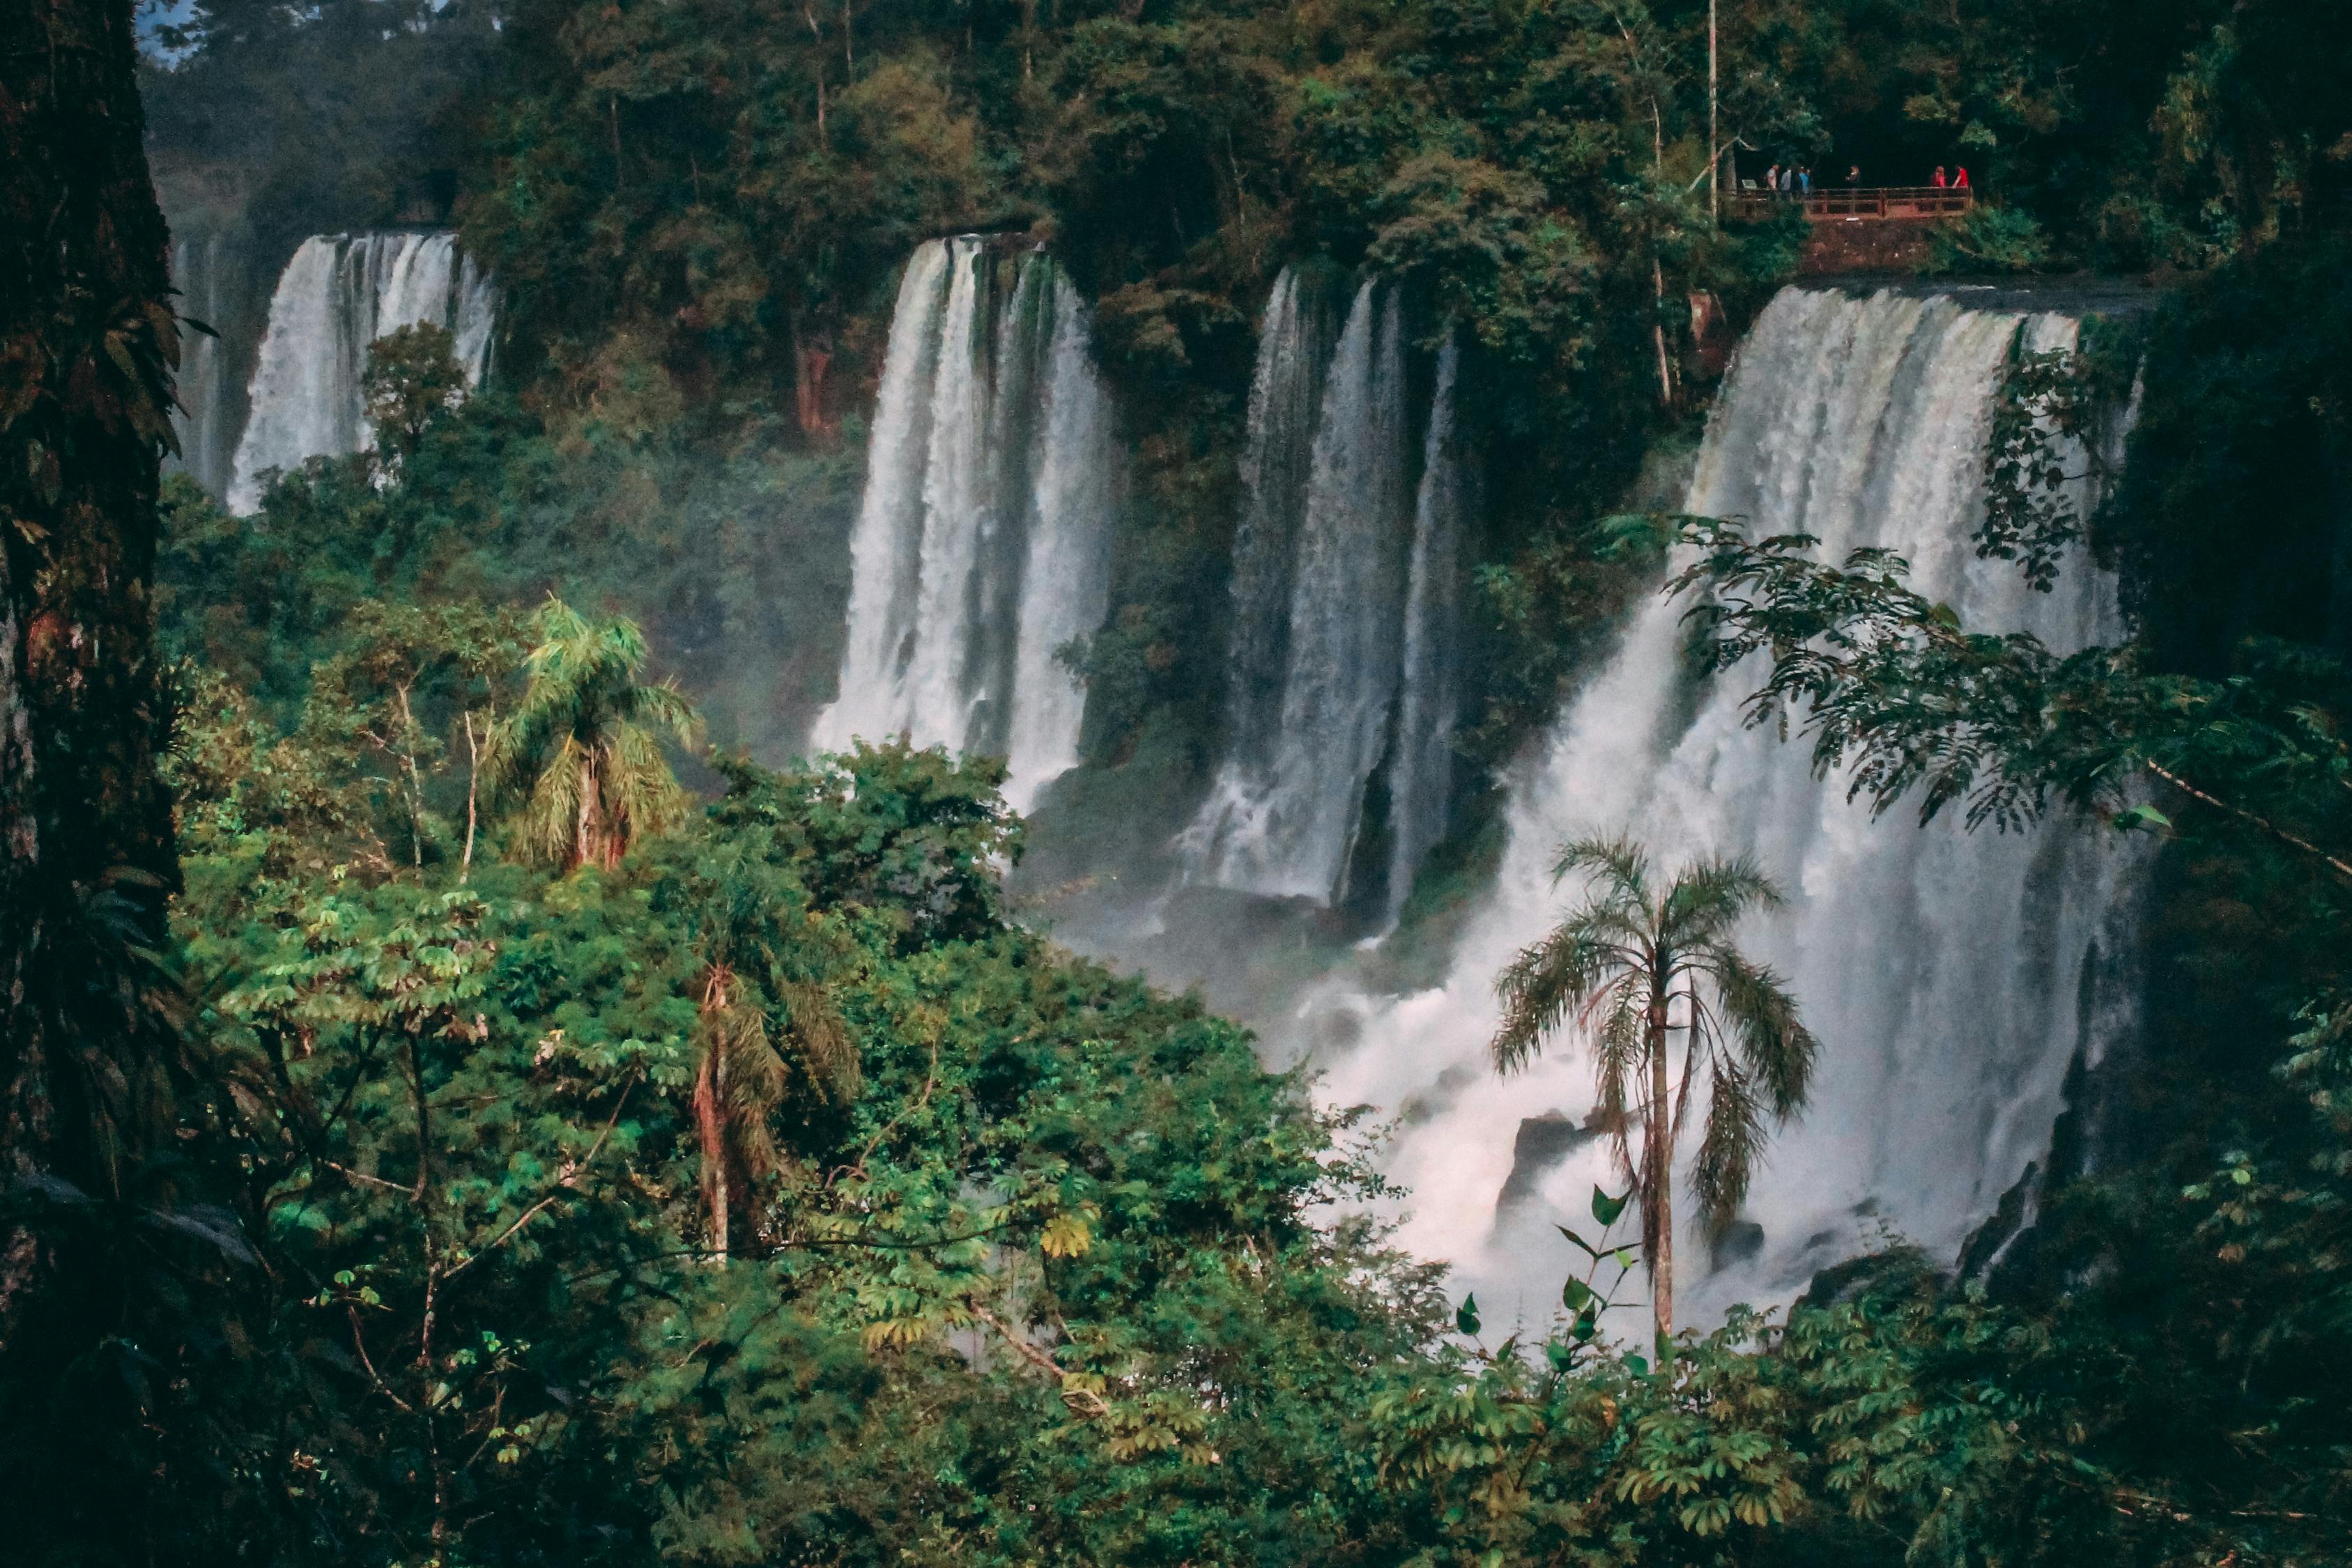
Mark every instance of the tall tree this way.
pixel 582 749
pixel 91 1359
pixel 1640 969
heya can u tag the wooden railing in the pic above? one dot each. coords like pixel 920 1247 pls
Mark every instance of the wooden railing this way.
pixel 1901 203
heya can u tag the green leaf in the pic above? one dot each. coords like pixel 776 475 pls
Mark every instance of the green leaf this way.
pixel 1575 1294
pixel 1641 1366
pixel 1590 1250
pixel 1605 1208
pixel 2143 818
pixel 1466 1318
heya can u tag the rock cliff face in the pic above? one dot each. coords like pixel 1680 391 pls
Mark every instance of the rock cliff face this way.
pixel 1865 245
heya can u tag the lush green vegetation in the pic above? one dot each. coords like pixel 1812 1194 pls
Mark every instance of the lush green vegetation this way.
pixel 728 1179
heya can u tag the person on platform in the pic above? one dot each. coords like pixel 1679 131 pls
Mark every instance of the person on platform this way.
pixel 1853 176
pixel 1939 181
pixel 1771 179
pixel 1789 181
pixel 1960 180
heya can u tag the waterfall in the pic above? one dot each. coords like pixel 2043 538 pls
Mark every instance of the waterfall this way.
pixel 1065 573
pixel 1286 401
pixel 338 295
pixel 1951 977
pixel 1283 816
pixel 887 543
pixel 1421 777
pixel 206 419
pixel 938 703
pixel 982 541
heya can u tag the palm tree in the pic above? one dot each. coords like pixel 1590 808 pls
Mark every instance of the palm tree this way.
pixel 743 1079
pixel 1639 972
pixel 582 749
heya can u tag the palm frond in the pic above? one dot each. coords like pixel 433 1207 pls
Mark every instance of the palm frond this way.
pixel 664 707
pixel 821 1036
pixel 1542 985
pixel 1617 1056
pixel 1710 895
pixel 1620 867
pixel 641 796
pixel 1731 1146
pixel 551 815
pixel 1759 1017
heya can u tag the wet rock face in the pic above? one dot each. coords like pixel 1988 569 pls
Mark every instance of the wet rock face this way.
pixel 1542 1144
pixel 1741 1240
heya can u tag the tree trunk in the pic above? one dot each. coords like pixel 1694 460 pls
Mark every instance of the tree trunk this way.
pixel 87 344
pixel 584 830
pixel 711 1128
pixel 1658 1153
pixel 811 357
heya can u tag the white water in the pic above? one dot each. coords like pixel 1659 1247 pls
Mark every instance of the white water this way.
pixel 206 420
pixel 1421 777
pixel 982 541
pixel 1951 977
pixel 1066 572
pixel 1285 826
pixel 935 699
pixel 1286 404
pixel 339 294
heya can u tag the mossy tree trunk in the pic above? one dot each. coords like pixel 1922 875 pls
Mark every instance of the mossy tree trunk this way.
pixel 87 346
pixel 88 342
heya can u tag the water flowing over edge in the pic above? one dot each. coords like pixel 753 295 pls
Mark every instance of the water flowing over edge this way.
pixel 1344 584
pixel 336 296
pixel 1953 978
pixel 982 547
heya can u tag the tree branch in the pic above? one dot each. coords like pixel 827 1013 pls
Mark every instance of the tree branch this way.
pixel 2254 819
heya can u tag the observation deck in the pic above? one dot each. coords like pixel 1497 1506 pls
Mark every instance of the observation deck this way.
pixel 1900 203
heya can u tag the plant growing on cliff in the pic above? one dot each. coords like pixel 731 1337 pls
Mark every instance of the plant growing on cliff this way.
pixel 1634 966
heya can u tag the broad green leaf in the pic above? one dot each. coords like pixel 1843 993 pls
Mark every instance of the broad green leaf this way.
pixel 1605 1208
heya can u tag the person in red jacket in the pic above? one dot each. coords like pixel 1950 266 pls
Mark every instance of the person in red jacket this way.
pixel 1960 181
pixel 1939 181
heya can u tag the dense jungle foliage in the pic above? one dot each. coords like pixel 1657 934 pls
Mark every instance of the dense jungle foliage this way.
pixel 731 1179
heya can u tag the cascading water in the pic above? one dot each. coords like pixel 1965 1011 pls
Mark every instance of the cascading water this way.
pixel 1065 570
pixel 1421 777
pixel 1952 977
pixel 339 294
pixel 207 422
pixel 1286 404
pixel 982 541
pixel 1281 817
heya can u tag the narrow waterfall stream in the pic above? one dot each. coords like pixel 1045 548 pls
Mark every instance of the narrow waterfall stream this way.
pixel 1359 575
pixel 1066 566
pixel 982 546
pixel 1421 777
pixel 339 294
pixel 1952 977
pixel 203 271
